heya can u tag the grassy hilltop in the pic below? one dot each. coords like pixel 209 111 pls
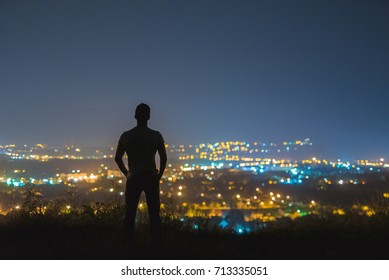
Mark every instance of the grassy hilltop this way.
pixel 88 234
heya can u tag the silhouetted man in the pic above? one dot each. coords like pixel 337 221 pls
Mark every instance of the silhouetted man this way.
pixel 141 144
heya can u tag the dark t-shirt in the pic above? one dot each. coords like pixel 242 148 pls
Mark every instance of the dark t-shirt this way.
pixel 141 145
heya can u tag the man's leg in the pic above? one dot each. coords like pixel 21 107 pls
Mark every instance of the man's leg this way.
pixel 133 192
pixel 153 206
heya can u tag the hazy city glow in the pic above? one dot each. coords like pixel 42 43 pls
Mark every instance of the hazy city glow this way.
pixel 206 180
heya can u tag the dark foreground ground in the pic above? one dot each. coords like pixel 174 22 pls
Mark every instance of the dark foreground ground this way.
pixel 310 237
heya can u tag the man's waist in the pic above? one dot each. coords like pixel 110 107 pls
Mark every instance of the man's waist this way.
pixel 143 171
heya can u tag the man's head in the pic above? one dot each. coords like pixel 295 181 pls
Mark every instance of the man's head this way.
pixel 142 112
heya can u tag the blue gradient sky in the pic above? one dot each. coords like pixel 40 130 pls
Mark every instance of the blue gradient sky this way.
pixel 73 71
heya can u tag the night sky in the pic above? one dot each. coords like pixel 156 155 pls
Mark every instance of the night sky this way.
pixel 74 71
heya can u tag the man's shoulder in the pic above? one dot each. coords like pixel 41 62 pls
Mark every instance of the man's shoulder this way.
pixel 157 133
pixel 154 131
pixel 136 130
pixel 127 133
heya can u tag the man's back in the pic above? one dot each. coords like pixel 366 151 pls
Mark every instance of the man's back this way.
pixel 141 144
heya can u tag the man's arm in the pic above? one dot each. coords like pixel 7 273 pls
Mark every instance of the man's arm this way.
pixel 162 160
pixel 119 158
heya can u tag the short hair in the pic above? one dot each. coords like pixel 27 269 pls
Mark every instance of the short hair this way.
pixel 142 112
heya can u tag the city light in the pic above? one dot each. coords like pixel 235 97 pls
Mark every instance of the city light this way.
pixel 216 178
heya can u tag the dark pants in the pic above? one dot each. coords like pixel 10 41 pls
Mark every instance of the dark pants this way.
pixel 147 182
